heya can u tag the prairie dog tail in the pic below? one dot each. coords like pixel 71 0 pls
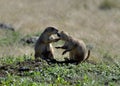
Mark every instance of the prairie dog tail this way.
pixel 87 55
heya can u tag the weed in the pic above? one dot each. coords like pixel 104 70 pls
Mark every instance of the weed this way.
pixel 109 4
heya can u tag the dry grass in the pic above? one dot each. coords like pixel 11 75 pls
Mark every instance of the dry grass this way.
pixel 83 19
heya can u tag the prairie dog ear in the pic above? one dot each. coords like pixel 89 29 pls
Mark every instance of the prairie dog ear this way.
pixel 64 33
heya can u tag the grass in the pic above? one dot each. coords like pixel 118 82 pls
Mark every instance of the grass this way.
pixel 84 74
pixel 9 38
pixel 83 19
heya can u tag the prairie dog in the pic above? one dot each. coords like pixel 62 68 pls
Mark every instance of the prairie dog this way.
pixel 76 48
pixel 43 47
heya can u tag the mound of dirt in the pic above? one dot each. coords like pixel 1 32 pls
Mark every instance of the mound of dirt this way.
pixel 21 67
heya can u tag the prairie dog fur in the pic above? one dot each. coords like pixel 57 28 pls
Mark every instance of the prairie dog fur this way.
pixel 76 48
pixel 43 47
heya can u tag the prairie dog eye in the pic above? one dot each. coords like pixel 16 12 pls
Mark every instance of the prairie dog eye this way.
pixel 52 28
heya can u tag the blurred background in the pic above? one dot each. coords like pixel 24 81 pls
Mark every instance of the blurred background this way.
pixel 96 22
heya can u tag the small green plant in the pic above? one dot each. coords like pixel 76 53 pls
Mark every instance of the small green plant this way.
pixel 106 5
pixel 109 4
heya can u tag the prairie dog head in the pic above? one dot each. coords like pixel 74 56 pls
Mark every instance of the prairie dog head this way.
pixel 51 30
pixel 63 35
